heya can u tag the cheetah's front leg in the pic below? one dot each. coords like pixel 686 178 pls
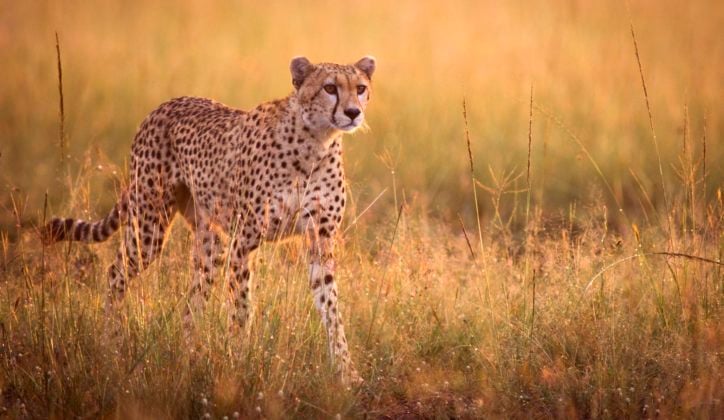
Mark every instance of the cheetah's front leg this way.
pixel 324 291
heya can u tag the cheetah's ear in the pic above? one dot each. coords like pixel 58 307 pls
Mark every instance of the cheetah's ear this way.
pixel 367 65
pixel 300 68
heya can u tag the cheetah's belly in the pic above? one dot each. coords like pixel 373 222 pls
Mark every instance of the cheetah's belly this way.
pixel 280 215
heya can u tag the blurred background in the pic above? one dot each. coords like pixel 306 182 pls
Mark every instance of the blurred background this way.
pixel 120 59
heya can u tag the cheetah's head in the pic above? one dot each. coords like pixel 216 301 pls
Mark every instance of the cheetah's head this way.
pixel 332 96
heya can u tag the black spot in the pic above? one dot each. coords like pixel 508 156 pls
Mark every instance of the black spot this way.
pixel 97 233
pixel 68 224
pixel 85 232
pixel 78 231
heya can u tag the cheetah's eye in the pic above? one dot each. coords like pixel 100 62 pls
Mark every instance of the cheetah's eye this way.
pixel 361 89
pixel 331 89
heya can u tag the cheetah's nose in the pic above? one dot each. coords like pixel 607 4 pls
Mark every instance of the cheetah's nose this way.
pixel 352 113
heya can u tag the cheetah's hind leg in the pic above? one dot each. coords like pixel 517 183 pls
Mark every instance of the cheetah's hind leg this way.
pixel 207 255
pixel 143 237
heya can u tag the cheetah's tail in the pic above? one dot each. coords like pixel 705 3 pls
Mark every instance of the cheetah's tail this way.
pixel 59 229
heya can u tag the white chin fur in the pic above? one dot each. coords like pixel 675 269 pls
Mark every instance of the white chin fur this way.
pixel 349 128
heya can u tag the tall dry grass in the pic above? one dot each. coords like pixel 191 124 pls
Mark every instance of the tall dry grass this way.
pixel 579 322
pixel 531 253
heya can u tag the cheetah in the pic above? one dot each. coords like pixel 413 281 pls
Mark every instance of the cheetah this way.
pixel 239 178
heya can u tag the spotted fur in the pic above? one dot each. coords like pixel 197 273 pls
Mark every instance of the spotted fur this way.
pixel 240 177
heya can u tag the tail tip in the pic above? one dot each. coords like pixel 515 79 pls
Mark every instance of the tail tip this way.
pixel 56 230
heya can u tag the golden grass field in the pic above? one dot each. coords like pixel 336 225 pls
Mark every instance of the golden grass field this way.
pixel 580 278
